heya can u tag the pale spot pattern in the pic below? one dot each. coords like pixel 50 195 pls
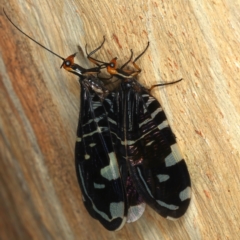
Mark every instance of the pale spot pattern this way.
pixel 163 125
pixel 98 186
pixel 111 172
pixel 169 206
pixel 185 194
pixel 174 157
pixel 163 177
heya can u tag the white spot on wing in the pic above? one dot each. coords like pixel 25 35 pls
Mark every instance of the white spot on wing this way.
pixel 150 100
pixel 170 160
pixel 185 194
pixel 98 186
pixel 78 139
pixel 148 144
pixel 112 208
pixel 135 212
pixel 163 125
pixel 92 144
pixel 174 157
pixel 116 209
pixel 144 122
pixel 168 206
pixel 128 142
pixel 111 172
pixel 86 156
pixel 163 177
pixel 158 110
pixel 99 129
pixel 91 133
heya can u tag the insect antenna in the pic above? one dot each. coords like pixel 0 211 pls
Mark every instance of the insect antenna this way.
pixel 30 37
pixel 68 63
pixel 141 53
pixel 129 60
pixel 94 60
pixel 163 84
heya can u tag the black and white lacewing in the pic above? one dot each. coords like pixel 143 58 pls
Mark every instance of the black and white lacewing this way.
pixel 125 151
pixel 96 162
pixel 145 145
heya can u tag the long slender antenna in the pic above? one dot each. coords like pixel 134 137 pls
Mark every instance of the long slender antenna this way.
pixel 30 37
pixel 92 52
pixel 128 61
pixel 163 84
pixel 94 60
pixel 141 53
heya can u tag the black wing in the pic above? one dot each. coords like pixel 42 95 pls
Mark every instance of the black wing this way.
pixel 96 163
pixel 114 105
pixel 156 165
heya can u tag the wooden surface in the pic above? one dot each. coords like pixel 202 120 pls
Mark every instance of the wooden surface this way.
pixel 39 105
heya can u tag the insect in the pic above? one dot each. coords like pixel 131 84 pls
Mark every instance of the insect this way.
pixel 96 163
pixel 109 154
pixel 145 145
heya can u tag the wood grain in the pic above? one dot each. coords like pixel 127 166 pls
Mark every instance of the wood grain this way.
pixel 39 105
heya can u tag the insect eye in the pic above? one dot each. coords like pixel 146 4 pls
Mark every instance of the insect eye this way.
pixel 67 63
pixel 112 65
